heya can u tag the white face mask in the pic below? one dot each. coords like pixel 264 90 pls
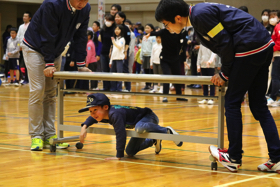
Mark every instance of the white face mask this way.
pixel 265 18
pixel 108 23
pixel 273 21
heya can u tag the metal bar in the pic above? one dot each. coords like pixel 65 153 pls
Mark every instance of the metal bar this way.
pixel 179 79
pixel 60 108
pixel 171 137
pixel 142 93
pixel 63 140
pixel 221 104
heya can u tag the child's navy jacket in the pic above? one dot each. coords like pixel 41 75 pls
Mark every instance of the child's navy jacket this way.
pixel 228 32
pixel 121 117
pixel 53 26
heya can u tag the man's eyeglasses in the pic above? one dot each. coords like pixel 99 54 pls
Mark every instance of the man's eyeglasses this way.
pixel 166 26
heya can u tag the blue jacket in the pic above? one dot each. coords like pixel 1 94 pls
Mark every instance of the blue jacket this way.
pixel 228 32
pixel 53 26
pixel 121 117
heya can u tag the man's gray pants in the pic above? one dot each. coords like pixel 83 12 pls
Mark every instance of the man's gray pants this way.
pixel 42 93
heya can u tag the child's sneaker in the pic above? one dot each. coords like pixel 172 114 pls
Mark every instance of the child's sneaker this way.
pixel 210 102
pixel 270 167
pixel 271 102
pixel 157 146
pixel 222 156
pixel 204 101
pixel 58 145
pixel 37 144
pixel 170 130
pixel 165 100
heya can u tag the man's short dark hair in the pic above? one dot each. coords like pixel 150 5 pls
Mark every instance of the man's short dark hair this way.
pixel 117 6
pixel 169 9
pixel 97 23
pixel 266 10
pixel 14 29
pixel 128 21
pixel 244 8
pixel 29 13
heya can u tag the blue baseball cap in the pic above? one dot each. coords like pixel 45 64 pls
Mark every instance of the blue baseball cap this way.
pixel 96 99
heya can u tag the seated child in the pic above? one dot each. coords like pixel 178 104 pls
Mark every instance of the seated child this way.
pixel 122 117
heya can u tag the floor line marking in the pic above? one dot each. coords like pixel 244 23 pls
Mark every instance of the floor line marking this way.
pixel 246 180
pixel 148 164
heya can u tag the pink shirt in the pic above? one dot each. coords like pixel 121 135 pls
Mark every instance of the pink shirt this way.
pixel 90 52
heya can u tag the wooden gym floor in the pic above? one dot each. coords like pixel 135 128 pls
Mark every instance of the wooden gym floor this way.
pixel 188 165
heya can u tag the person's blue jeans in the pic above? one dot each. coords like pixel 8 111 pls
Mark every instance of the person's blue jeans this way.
pixel 245 76
pixel 126 70
pixel 275 75
pixel 117 67
pixel 105 60
pixel 63 63
pixel 149 123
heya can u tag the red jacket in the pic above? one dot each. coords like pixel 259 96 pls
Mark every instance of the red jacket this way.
pixel 276 37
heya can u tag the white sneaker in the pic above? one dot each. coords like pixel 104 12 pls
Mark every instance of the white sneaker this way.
pixel 170 130
pixel 270 166
pixel 204 101
pixel 222 156
pixel 210 102
pixel 160 91
pixel 271 102
pixel 152 91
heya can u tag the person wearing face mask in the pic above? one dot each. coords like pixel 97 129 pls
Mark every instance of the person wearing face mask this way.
pixel 273 18
pixel 105 37
pixel 265 20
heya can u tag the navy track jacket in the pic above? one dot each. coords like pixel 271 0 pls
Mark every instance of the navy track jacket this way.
pixel 53 26
pixel 229 32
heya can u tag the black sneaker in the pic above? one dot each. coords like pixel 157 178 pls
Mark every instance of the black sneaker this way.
pixel 170 130
pixel 181 99
pixel 157 146
pixel 165 100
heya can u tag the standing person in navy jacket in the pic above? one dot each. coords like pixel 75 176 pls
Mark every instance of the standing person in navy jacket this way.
pixel 54 24
pixel 246 50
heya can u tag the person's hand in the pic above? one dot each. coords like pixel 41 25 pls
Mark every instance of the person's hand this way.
pixel 72 63
pixel 196 47
pixel 125 55
pixel 9 54
pixel 110 65
pixel 113 158
pixel 84 69
pixel 83 133
pixel 189 41
pixel 208 64
pixel 48 72
pixel 151 66
pixel 186 65
pixel 86 65
pixel 219 68
pixel 198 69
pixel 7 58
pixel 217 80
pixel 97 58
pixel 112 38
pixel 141 61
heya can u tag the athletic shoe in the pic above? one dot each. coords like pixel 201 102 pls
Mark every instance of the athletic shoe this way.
pixel 11 83
pixel 37 144
pixel 170 130
pixel 16 84
pixel 152 91
pixel 160 91
pixel 210 102
pixel 270 166
pixel 58 145
pixel 125 90
pixel 222 156
pixel 165 100
pixel 271 102
pixel 157 146
pixel 204 101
